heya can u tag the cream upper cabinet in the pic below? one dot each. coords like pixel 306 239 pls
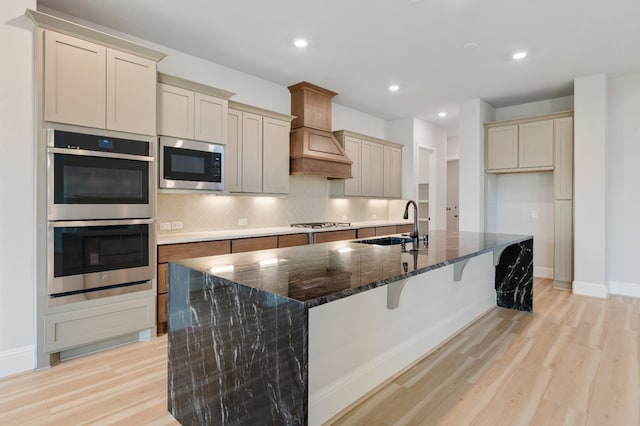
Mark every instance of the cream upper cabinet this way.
pixel 275 156
pixel 372 169
pixel 376 170
pixel 189 114
pixel 233 152
pixel 563 173
pixel 502 148
pixel 74 81
pixel 352 148
pixel 210 119
pixel 251 152
pixel 90 85
pixel 257 151
pixel 535 144
pixel 131 93
pixel 392 172
pixel 175 111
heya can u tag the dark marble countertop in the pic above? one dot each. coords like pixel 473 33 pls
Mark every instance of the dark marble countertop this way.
pixel 320 273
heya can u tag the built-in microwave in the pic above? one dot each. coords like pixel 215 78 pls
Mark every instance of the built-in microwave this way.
pixel 187 164
pixel 90 176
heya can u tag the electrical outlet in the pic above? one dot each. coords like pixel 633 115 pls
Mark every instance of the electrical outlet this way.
pixel 243 222
pixel 374 216
pixel 344 218
pixel 165 226
pixel 534 214
pixel 176 225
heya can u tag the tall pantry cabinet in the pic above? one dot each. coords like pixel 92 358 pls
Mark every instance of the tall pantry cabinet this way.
pixel 540 144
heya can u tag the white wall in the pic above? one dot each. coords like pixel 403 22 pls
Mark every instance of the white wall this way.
pixel 547 106
pixel 401 131
pixel 344 118
pixel 473 114
pixel 17 189
pixel 622 187
pixel 590 134
pixel 453 147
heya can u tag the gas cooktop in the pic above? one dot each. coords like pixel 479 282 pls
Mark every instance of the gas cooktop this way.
pixel 320 225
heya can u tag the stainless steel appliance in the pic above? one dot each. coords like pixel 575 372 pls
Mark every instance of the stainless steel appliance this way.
pixel 97 177
pixel 186 164
pixel 104 254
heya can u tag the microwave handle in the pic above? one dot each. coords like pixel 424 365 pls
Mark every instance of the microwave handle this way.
pixel 87 153
pixel 79 223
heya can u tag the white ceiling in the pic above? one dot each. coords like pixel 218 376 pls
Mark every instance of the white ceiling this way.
pixel 359 47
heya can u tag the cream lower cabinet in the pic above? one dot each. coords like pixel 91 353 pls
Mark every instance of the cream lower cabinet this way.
pixel 91 85
pixel 376 168
pixel 191 110
pixel 257 152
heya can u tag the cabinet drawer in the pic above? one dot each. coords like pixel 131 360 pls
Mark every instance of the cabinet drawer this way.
pixel 293 240
pixel 404 228
pixel 163 278
pixel 171 252
pixel 325 237
pixel 366 232
pixel 70 329
pixel 386 230
pixel 250 244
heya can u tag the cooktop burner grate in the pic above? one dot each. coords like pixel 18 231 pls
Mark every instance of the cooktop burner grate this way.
pixel 320 225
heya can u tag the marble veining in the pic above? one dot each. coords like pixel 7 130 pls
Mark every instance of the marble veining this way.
pixel 238 324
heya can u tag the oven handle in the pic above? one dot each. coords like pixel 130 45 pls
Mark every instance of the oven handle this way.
pixel 87 153
pixel 71 223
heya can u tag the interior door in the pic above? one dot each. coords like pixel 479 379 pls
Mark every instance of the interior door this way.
pixel 452 195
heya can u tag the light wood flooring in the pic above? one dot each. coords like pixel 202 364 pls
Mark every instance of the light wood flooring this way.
pixel 574 361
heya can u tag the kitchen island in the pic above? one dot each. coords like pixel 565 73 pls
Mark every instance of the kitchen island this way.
pixel 295 335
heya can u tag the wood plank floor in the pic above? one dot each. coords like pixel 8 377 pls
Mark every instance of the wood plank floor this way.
pixel 575 361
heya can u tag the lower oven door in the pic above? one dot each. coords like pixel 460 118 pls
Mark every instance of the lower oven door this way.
pixel 91 255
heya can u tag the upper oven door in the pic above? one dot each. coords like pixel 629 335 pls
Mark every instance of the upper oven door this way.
pixel 186 164
pixel 91 177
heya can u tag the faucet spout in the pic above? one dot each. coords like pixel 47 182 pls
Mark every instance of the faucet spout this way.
pixel 415 234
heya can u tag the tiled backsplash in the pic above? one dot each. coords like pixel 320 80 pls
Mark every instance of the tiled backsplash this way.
pixel 308 201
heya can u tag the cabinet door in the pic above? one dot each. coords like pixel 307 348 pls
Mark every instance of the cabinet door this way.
pixel 502 147
pixel 74 81
pixel 372 169
pixel 392 172
pixel 251 152
pixel 275 150
pixel 563 244
pixel 242 245
pixel 352 148
pixel 210 119
pixel 535 144
pixel 175 111
pixel 233 152
pixel 563 146
pixel 131 93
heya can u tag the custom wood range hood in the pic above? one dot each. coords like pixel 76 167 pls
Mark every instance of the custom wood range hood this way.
pixel 313 148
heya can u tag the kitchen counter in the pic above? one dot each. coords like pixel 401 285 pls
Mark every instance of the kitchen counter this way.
pixel 190 237
pixel 294 335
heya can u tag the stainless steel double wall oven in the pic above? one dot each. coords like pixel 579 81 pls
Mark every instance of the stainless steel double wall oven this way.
pixel 100 209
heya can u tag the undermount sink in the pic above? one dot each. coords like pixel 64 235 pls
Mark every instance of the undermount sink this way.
pixel 385 241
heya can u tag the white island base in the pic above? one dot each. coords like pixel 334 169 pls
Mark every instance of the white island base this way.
pixel 357 344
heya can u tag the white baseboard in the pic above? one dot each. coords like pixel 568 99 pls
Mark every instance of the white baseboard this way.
pixel 542 272
pixel 624 289
pixel 583 288
pixel 17 360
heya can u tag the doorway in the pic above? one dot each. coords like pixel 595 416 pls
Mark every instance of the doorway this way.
pixel 453 174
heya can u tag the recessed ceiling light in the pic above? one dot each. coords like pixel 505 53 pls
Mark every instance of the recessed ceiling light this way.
pixel 442 114
pixel 300 43
pixel 519 55
pixel 470 46
pixel 394 88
